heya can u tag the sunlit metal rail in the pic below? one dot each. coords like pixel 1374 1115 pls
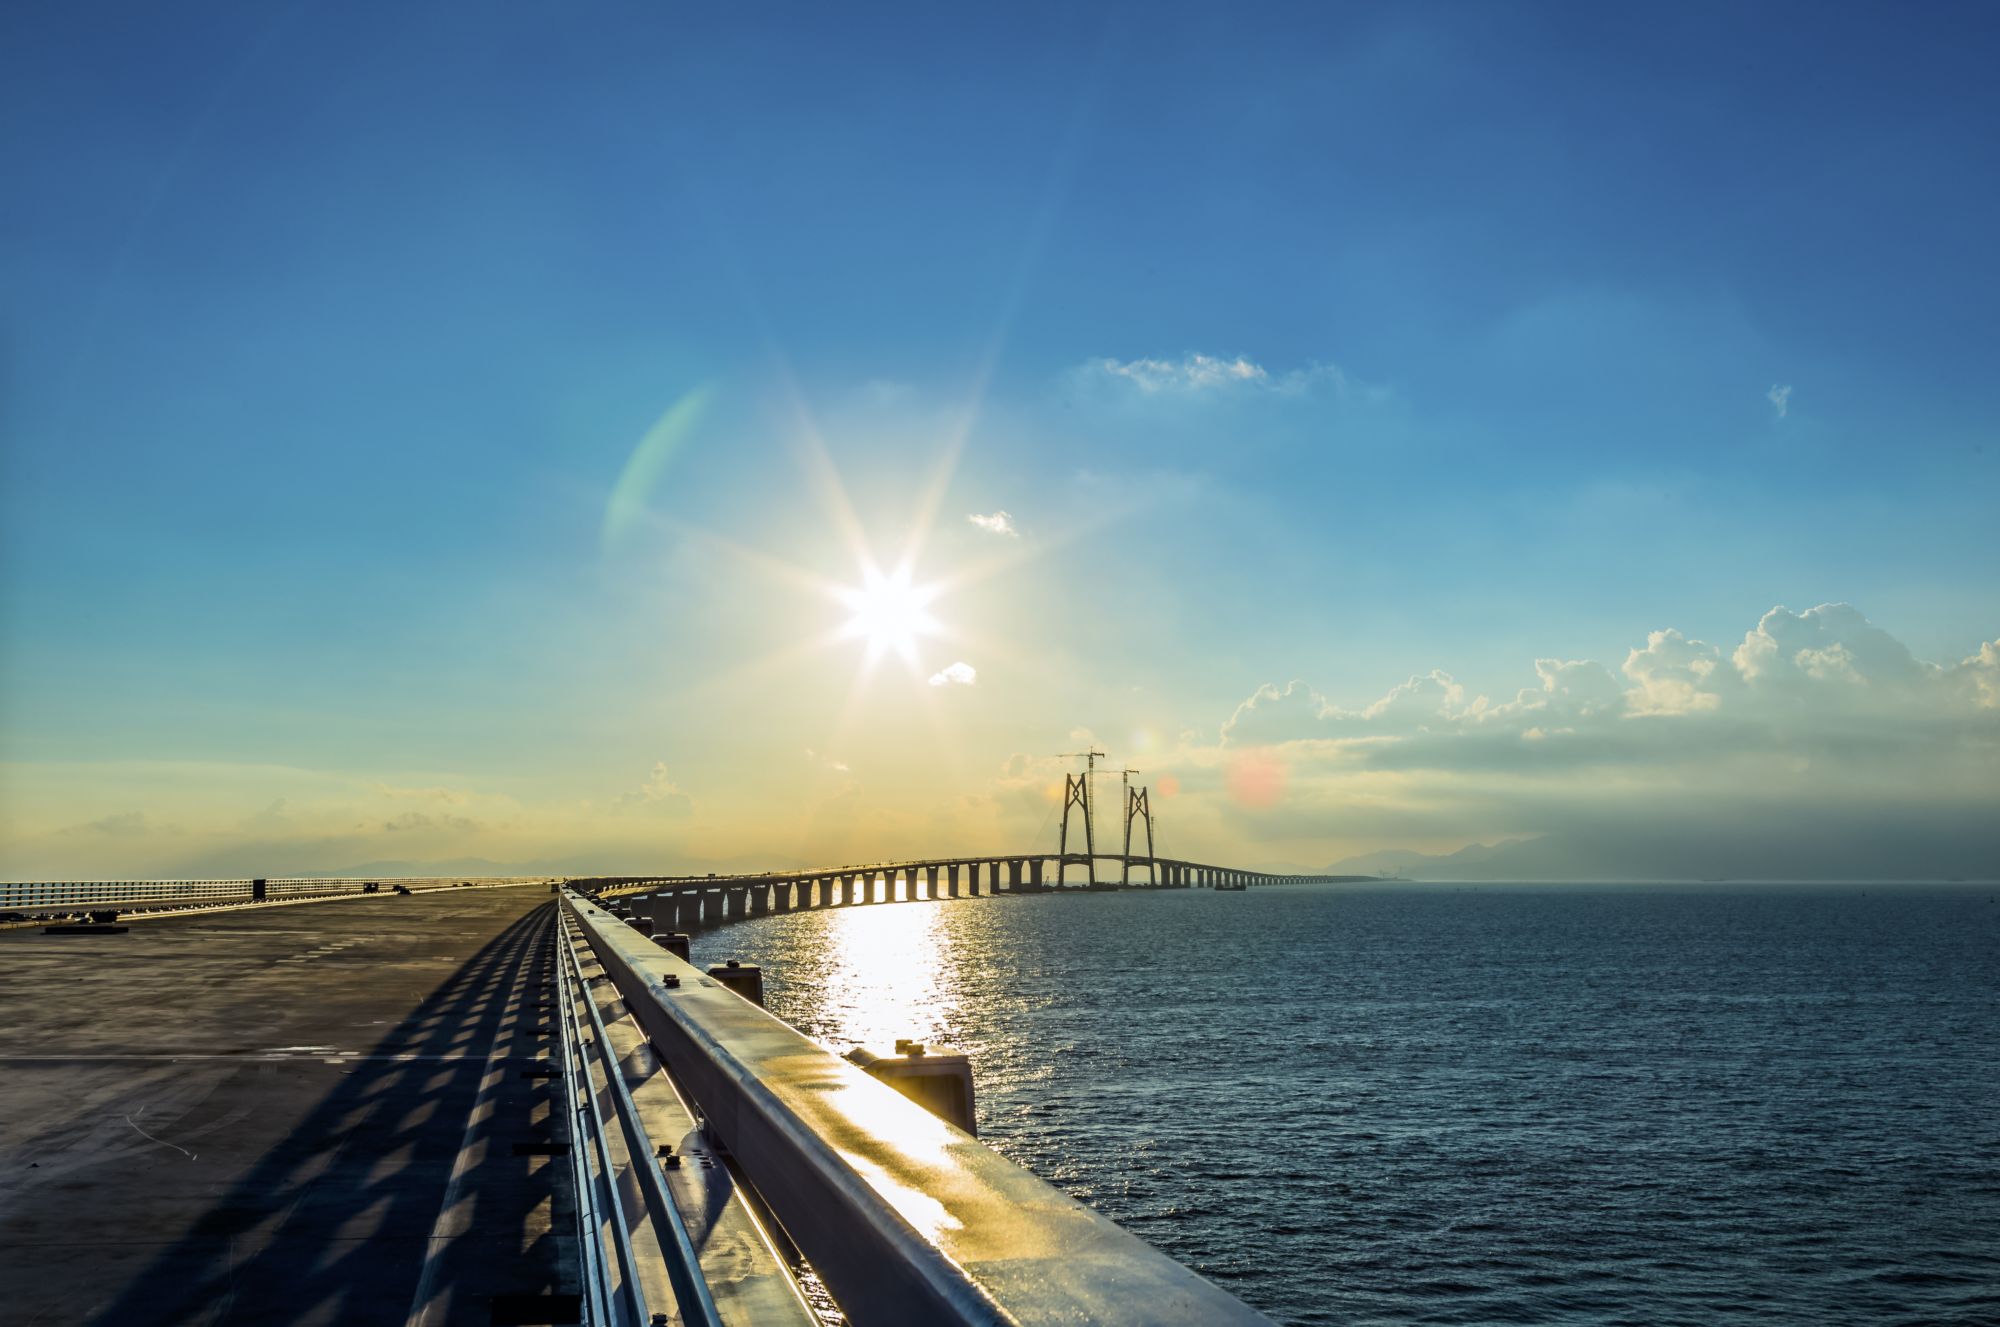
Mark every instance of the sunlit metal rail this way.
pixel 905 1218
pixel 612 1142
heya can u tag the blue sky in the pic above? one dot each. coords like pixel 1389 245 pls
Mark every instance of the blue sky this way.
pixel 1337 343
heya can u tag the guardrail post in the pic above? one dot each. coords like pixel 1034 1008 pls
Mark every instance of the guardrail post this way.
pixel 746 979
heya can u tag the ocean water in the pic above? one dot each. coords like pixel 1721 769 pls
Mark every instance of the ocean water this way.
pixel 1473 1104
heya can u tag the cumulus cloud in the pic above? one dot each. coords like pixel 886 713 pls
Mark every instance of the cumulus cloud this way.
pixel 960 674
pixel 997 523
pixel 1825 659
pixel 1780 397
pixel 1820 732
pixel 1198 373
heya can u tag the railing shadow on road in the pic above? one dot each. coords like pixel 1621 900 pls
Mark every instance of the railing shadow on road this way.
pixel 334 1224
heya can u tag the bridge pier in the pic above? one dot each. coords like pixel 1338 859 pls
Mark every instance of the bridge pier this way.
pixel 760 899
pixel 931 882
pixel 781 896
pixel 1035 874
pixel 951 880
pixel 1013 876
pixel 972 878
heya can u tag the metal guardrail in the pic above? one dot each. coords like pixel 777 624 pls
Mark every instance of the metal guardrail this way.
pixel 22 894
pixel 907 1219
pixel 619 1301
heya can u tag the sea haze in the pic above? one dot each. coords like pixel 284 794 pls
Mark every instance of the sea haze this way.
pixel 1475 1103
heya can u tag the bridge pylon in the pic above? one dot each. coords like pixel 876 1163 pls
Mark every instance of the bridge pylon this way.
pixel 1138 807
pixel 1076 792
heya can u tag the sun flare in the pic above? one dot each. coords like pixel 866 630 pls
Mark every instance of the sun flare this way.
pixel 889 612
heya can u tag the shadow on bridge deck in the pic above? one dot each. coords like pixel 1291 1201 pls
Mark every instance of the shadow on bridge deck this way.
pixel 251 1187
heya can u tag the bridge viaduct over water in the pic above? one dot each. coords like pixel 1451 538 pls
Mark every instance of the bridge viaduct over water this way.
pixel 316 1102
pixel 685 902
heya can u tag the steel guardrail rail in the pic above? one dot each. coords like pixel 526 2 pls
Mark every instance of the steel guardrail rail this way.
pixel 612 1301
pixel 907 1219
pixel 21 894
pixel 694 1302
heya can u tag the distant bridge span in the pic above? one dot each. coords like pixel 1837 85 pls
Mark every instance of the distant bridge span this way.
pixel 685 901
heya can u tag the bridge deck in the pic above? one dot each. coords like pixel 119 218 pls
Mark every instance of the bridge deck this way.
pixel 260 1117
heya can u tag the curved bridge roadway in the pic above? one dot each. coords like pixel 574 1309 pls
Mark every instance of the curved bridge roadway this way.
pixel 686 901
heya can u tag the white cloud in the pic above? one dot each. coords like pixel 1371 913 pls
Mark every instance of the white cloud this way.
pixel 1212 373
pixel 659 793
pixel 1820 747
pixel 1781 397
pixel 997 523
pixel 1673 675
pixel 1791 671
pixel 960 674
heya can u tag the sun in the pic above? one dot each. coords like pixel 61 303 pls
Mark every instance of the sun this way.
pixel 889 612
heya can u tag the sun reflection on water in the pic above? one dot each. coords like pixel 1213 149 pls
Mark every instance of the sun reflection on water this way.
pixel 887 974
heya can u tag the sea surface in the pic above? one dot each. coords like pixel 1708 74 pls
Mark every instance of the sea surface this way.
pixel 1475 1103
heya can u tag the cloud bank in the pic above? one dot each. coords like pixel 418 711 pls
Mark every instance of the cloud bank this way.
pixel 1819 745
pixel 997 523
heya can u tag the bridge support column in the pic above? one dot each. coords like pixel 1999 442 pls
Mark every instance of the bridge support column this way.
pixel 950 881
pixel 972 878
pixel 1035 873
pixel 1013 874
pixel 760 900
pixel 931 883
